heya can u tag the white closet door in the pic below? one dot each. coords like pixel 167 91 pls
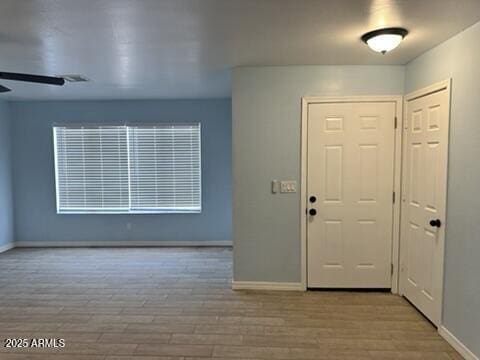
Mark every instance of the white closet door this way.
pixel 425 177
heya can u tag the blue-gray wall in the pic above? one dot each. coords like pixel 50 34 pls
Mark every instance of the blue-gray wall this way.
pixel 34 178
pixel 6 205
pixel 266 146
pixel 459 59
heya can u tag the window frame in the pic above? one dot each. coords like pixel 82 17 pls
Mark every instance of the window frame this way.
pixel 129 210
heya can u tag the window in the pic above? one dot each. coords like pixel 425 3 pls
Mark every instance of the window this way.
pixel 128 169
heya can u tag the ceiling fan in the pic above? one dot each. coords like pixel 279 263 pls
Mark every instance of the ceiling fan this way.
pixel 50 80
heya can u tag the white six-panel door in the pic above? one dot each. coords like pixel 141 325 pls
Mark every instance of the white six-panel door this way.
pixel 350 173
pixel 425 189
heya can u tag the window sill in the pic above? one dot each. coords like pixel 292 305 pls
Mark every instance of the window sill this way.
pixel 160 212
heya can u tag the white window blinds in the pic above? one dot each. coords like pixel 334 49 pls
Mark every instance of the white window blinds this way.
pixel 128 169
pixel 91 168
pixel 165 167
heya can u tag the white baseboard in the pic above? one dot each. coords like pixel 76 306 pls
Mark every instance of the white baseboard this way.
pixel 456 344
pixel 6 247
pixel 264 285
pixel 120 243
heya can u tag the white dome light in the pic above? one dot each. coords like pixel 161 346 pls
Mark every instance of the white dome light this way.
pixel 384 40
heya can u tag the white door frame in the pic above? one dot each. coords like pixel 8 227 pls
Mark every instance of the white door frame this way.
pixel 307 100
pixel 442 85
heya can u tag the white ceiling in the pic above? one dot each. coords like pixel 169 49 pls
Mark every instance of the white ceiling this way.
pixel 133 49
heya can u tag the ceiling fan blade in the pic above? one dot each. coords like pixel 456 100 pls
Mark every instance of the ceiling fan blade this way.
pixel 51 80
pixel 4 89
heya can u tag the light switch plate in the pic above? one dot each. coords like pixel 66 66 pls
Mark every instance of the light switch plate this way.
pixel 288 186
pixel 274 186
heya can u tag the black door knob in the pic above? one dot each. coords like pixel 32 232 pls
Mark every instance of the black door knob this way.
pixel 312 212
pixel 435 223
pixel 313 199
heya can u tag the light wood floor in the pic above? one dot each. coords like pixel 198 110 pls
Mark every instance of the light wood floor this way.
pixel 176 303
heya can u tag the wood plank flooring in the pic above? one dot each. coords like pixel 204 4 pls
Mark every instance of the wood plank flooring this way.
pixel 177 303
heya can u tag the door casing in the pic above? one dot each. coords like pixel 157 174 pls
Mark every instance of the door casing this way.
pixel 306 101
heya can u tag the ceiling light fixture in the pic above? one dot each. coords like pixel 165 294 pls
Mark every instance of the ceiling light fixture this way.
pixel 384 40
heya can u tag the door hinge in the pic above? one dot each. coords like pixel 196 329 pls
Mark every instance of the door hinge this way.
pixel 394 197
pixel 391 269
pixel 396 122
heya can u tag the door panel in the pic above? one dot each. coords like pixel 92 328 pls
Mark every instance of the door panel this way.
pixel 350 171
pixel 414 252
pixel 368 169
pixel 333 252
pixel 427 120
pixel 333 173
